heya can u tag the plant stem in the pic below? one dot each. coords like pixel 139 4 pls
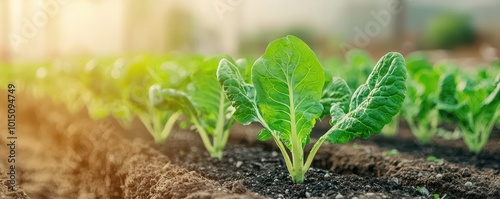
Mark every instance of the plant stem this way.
pixel 297 150
pixel 313 151
pixel 218 136
pixel 298 161
pixel 282 148
pixel 203 135
pixel 169 125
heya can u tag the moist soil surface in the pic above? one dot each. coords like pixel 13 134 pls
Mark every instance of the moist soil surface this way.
pixel 68 155
pixel 363 169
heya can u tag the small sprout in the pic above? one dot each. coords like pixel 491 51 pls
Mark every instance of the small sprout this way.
pixel 204 104
pixel 391 152
pixel 436 196
pixel 423 190
pixel 435 159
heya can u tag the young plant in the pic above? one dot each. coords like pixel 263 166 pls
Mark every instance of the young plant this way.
pixel 204 104
pixel 419 108
pixel 137 75
pixel 286 99
pixel 476 107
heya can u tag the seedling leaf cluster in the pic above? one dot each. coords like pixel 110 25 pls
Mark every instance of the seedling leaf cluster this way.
pixel 285 97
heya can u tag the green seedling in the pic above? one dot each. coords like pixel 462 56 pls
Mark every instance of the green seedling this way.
pixel 285 96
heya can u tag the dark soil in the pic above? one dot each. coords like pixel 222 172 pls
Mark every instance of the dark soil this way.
pixel 349 170
pixel 264 172
pixel 454 151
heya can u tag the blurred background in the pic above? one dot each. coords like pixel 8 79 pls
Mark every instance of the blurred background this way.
pixel 47 29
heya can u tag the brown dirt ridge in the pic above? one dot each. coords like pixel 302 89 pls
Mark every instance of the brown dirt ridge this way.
pixel 70 156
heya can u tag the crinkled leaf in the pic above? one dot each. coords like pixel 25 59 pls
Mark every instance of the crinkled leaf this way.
pixel 241 94
pixel 374 103
pixel 288 80
pixel 336 113
pixel 336 91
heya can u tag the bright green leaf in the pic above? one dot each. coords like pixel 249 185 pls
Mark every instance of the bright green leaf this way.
pixel 241 95
pixel 288 80
pixel 374 103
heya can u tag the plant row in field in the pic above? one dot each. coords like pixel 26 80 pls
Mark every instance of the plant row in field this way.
pixel 128 88
pixel 286 90
pixel 444 94
pixel 438 94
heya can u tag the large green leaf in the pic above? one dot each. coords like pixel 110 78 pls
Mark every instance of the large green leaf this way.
pixel 374 103
pixel 336 91
pixel 288 80
pixel 241 95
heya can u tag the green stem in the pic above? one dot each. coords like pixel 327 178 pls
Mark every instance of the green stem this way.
pixel 313 151
pixel 298 161
pixel 297 150
pixel 218 137
pixel 224 138
pixel 169 125
pixel 203 134
pixel 423 131
pixel 226 133
pixel 282 148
